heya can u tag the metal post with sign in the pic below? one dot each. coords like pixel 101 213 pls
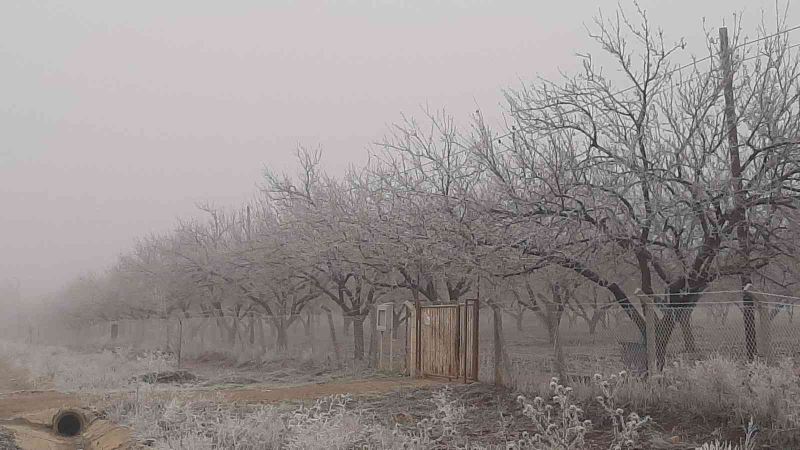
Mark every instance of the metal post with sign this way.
pixel 384 323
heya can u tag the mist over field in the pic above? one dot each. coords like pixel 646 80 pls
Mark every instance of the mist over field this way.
pixel 400 225
pixel 117 119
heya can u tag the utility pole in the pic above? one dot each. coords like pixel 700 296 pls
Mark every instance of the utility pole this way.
pixel 738 215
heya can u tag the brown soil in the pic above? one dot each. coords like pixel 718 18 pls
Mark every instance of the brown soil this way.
pixel 28 414
pixel 24 402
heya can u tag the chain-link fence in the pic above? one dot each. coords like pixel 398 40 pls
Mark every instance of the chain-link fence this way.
pixel 556 340
pixel 319 336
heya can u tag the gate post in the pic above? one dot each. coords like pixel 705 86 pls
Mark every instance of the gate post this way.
pixel 648 309
pixel 475 338
pixel 411 339
pixel 462 339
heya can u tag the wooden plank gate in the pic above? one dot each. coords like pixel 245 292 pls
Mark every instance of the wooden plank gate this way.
pixel 443 341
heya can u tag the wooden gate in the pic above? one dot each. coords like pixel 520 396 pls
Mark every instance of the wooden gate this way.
pixel 446 341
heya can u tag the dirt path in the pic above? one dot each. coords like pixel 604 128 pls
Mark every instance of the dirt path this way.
pixel 314 391
pixel 24 403
pixel 27 413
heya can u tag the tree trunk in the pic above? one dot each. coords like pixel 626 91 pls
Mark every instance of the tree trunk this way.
pixel 140 331
pixel 552 320
pixel 307 325
pixel 269 334
pixel 309 332
pixel 519 318
pixel 593 323
pixel 220 329
pixel 358 337
pixel 347 322
pixel 282 340
pixel 232 333
pixel 201 328
pixel 685 319
pixel 551 330
pixel 572 319
pixel 501 363
pixel 748 314
pixel 332 328
pixel 262 337
pixel 195 325
pixel 167 336
pixel 664 330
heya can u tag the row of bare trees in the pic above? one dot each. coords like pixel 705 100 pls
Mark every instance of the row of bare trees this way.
pixel 588 193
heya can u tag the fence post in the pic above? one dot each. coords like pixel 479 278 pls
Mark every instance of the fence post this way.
pixel 558 349
pixel 476 320
pixel 764 336
pixel 650 329
pixel 411 339
pixel 166 334
pixel 180 341
pixel 502 365
pixel 332 329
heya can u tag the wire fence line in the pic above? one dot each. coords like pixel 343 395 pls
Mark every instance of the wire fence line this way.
pixel 536 342
pixel 319 336
pixel 606 340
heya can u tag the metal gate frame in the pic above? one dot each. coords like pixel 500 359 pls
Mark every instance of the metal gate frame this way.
pixel 460 345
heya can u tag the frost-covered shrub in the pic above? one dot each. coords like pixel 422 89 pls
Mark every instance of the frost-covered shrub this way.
pixel 749 443
pixel 558 423
pixel 68 370
pixel 627 429
pixel 327 424
pixel 441 428
pixel 178 423
pixel 768 393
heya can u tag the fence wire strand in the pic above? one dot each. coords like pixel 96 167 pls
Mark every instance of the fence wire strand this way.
pixel 537 341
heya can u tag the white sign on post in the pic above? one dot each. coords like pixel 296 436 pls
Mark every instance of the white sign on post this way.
pixel 381 318
pixel 384 323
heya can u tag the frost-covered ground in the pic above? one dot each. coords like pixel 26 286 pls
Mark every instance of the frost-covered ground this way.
pixel 272 405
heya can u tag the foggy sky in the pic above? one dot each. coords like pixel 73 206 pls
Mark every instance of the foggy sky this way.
pixel 118 117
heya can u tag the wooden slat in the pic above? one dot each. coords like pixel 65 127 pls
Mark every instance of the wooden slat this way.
pixel 447 341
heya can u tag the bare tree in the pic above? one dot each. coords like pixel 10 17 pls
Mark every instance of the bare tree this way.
pixel 640 176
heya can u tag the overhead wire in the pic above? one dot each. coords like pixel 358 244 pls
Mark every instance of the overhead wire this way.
pixel 611 95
